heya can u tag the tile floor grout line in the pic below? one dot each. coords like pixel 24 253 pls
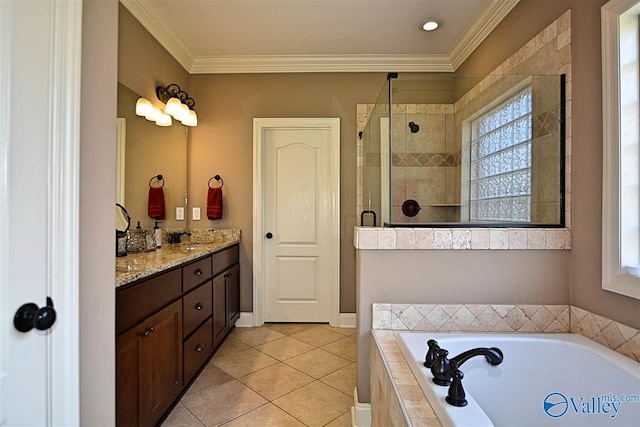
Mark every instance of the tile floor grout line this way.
pixel 339 416
pixel 189 411
pixel 242 415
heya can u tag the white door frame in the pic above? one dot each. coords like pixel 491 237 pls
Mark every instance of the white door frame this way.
pixel 260 125
pixel 62 181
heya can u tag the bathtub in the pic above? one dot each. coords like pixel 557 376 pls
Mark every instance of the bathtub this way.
pixel 544 380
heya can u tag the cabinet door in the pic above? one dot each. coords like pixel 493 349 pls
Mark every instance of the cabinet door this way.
pixel 232 277
pixel 219 308
pixel 161 363
pixel 127 376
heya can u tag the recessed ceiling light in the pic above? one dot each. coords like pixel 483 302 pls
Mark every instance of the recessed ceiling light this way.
pixel 430 25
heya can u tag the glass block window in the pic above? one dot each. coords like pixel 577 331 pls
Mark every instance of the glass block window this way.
pixel 501 162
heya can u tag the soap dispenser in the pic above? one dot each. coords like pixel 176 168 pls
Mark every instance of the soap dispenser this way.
pixel 158 234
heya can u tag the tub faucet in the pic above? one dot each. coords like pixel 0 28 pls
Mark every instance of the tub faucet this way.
pixel 441 368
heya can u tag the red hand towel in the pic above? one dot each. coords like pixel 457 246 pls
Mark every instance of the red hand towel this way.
pixel 155 206
pixel 214 203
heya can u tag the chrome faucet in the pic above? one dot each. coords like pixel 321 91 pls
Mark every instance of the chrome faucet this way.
pixel 441 365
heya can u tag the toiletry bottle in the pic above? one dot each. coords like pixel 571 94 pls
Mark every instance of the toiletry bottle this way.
pixel 158 234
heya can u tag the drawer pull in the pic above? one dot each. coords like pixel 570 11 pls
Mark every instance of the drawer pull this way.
pixel 199 306
pixel 151 329
pixel 198 272
pixel 199 348
pixel 228 275
pixel 145 333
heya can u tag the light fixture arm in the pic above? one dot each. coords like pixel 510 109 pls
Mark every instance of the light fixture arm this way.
pixel 174 91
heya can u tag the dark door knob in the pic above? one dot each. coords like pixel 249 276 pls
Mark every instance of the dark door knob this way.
pixel 269 235
pixel 29 316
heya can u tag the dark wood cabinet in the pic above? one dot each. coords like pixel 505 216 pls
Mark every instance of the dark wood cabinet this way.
pixel 219 309
pixel 149 367
pixel 167 328
pixel 232 284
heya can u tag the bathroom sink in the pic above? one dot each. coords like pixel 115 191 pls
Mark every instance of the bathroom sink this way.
pixel 190 247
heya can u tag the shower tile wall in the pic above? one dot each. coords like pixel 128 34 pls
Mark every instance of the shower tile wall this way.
pixel 425 164
pixel 549 52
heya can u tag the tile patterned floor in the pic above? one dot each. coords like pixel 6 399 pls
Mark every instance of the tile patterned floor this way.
pixel 277 375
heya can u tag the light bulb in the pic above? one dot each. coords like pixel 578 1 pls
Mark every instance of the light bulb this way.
pixel 191 119
pixel 143 107
pixel 164 120
pixel 153 114
pixel 430 25
pixel 174 107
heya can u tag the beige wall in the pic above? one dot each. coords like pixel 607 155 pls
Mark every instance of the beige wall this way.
pixel 143 63
pixel 519 26
pixel 97 214
pixel 223 144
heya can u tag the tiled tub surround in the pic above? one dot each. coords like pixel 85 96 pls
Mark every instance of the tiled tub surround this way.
pixel 471 317
pixel 143 264
pixel 549 52
pixel 461 238
pixel 396 396
pixel 535 318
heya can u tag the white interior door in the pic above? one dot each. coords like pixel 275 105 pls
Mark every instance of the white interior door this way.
pixel 39 124
pixel 300 225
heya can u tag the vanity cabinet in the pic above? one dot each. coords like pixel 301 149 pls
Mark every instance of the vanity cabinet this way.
pixel 149 367
pixel 167 328
pixel 226 294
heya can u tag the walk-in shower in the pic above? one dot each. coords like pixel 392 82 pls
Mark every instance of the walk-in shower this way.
pixel 443 149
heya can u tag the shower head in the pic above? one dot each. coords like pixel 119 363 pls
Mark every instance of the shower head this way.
pixel 414 127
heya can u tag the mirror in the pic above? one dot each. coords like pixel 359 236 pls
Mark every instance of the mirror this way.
pixel 452 150
pixel 146 150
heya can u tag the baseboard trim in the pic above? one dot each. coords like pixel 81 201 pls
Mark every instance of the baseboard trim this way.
pixel 245 320
pixel 347 320
pixel 360 412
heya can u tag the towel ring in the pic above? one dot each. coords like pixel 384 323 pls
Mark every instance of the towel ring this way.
pixel 159 178
pixel 217 178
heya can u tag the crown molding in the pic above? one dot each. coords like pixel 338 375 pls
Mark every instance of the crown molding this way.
pixel 148 14
pixel 485 22
pixel 239 64
pixel 161 29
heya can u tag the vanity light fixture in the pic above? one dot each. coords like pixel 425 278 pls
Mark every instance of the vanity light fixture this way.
pixel 178 104
pixel 430 25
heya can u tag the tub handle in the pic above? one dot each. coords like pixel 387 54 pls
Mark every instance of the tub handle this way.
pixel 456 394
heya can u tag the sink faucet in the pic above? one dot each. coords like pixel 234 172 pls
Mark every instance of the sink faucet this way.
pixel 175 237
pixel 441 367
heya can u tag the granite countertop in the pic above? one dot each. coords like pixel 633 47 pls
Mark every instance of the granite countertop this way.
pixel 136 266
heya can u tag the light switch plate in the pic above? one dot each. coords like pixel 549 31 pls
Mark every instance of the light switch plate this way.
pixel 196 214
pixel 179 214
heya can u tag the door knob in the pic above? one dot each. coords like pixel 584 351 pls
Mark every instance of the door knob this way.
pixel 29 316
pixel 269 235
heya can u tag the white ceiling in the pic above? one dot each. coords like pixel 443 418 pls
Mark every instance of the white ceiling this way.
pixel 240 36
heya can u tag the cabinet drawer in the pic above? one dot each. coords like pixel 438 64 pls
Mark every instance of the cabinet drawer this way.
pixel 140 301
pixel 197 350
pixel 225 259
pixel 196 306
pixel 195 273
